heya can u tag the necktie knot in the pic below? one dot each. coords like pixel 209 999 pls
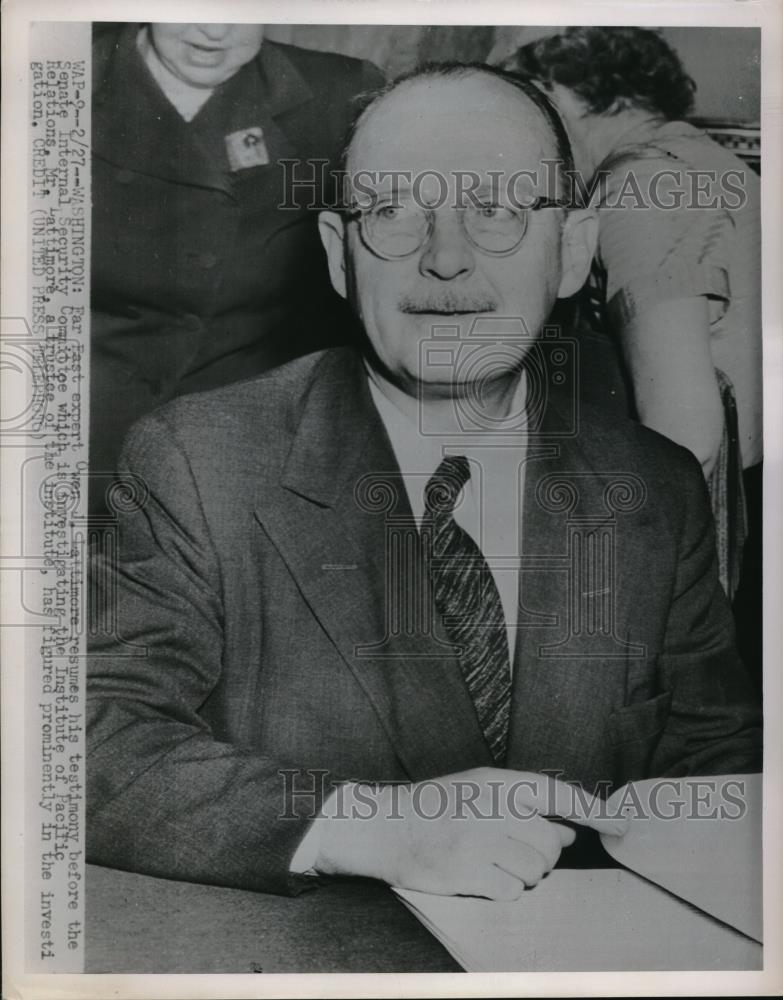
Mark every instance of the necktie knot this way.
pixel 445 485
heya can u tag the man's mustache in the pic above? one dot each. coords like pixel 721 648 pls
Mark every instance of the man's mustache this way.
pixel 447 304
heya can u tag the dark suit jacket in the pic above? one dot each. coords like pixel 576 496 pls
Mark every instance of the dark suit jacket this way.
pixel 256 568
pixel 198 277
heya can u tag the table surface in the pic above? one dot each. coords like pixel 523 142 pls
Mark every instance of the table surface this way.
pixel 139 924
pixel 135 923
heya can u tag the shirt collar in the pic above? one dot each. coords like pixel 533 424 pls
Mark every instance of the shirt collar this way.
pixel 421 453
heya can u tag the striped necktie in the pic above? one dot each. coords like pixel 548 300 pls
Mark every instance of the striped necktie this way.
pixel 467 598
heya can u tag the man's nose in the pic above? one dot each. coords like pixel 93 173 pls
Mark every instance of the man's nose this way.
pixel 448 254
pixel 214 32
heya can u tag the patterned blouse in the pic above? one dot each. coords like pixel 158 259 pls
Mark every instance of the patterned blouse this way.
pixel 680 217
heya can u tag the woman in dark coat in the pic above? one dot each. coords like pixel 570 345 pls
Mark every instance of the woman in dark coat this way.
pixel 211 153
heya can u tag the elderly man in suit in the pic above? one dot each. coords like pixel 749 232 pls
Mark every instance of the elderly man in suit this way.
pixel 384 614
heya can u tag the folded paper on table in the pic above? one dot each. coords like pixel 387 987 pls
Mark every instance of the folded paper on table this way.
pixel 615 920
pixel 699 838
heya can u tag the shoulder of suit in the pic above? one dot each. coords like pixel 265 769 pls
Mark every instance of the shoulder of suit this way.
pixel 231 436
pixel 621 442
pixel 270 402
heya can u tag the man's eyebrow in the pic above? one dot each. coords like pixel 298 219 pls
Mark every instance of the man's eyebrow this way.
pixel 396 190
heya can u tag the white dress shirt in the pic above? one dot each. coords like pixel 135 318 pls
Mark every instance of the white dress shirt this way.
pixel 489 507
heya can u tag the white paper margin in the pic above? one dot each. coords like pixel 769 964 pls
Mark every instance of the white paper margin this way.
pixel 17 14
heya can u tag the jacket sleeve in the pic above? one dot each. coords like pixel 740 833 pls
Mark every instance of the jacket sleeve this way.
pixel 714 724
pixel 164 796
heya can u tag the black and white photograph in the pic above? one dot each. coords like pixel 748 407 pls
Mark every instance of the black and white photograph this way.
pixel 384 453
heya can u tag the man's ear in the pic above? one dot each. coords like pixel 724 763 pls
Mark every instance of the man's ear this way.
pixel 577 247
pixel 332 230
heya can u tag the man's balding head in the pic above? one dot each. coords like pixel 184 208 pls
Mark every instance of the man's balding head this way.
pixel 427 80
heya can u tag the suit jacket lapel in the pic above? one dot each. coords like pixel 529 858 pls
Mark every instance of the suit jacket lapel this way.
pixel 341 519
pixel 571 622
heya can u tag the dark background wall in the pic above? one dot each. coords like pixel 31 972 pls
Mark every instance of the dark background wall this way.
pixel 724 62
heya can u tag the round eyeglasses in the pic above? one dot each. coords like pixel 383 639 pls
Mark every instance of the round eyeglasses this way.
pixel 395 230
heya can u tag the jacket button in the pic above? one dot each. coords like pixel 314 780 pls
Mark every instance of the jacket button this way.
pixel 191 322
pixel 207 260
pixel 125 176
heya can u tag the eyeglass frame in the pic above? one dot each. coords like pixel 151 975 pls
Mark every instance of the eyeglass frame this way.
pixel 358 214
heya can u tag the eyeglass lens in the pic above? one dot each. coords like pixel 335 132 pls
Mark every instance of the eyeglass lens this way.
pixel 399 230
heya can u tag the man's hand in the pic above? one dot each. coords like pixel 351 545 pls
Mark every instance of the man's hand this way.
pixel 478 833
